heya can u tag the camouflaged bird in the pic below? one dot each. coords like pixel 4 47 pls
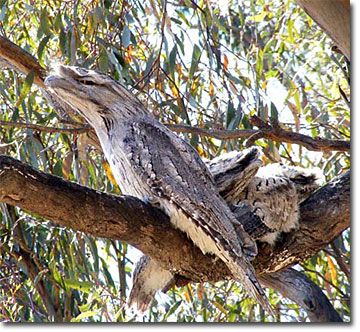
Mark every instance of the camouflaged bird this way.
pixel 273 193
pixel 151 162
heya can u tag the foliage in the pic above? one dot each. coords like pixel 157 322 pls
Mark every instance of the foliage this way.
pixel 202 63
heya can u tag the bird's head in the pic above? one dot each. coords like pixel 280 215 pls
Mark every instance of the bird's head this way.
pixel 94 95
pixel 306 180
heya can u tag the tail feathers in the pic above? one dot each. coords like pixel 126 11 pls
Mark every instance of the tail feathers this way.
pixel 149 277
pixel 244 273
pixel 141 298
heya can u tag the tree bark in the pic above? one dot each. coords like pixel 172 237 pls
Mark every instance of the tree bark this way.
pixel 297 287
pixel 333 16
pixel 21 61
pixel 323 217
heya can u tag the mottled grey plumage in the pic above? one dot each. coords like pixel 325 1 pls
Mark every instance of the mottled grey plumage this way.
pixel 148 278
pixel 151 162
pixel 275 194
pixel 272 192
pixel 234 170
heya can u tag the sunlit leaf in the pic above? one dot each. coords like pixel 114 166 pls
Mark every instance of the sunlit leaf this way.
pixel 109 173
pixel 220 307
pixel 26 87
pixel 332 269
pixel 172 309
pixel 258 18
pixel 85 314
pixel 226 62
pixel 84 286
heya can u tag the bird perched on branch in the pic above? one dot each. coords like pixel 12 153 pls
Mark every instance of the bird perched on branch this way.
pixel 151 162
pixel 271 193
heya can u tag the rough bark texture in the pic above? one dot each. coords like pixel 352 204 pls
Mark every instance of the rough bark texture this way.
pixel 21 61
pixel 333 16
pixel 297 287
pixel 323 217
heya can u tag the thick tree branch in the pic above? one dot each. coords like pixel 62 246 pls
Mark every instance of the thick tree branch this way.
pixel 323 214
pixel 21 60
pixel 323 217
pixel 297 287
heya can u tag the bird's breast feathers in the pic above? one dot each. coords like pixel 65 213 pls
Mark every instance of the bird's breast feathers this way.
pixel 151 161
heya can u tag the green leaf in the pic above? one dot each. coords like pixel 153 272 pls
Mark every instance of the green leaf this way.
pixel 62 41
pixel 40 51
pixel 230 113
pixel 103 61
pixel 58 22
pixel 107 274
pixel 26 87
pixel 39 276
pixel 100 18
pixel 259 65
pixel 171 60
pixel 172 310
pixel 85 314
pixel 195 60
pixel 149 64
pixel 180 44
pixel 271 41
pixel 84 286
pixel 85 307
pixel 273 111
pixel 93 248
pixel 183 17
pixel 126 36
pixel 290 30
pixel 44 22
pixel 258 18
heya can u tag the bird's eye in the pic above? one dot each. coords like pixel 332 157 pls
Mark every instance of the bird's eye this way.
pixel 86 82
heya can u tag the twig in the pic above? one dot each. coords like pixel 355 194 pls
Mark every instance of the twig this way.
pixel 323 278
pixel 35 127
pixel 24 62
pixel 339 259
pixel 268 132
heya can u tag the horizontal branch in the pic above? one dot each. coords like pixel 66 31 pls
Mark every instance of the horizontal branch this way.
pixel 266 132
pixel 323 217
pixel 45 129
pixel 24 62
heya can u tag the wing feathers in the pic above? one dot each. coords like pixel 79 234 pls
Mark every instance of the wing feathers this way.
pixel 178 177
